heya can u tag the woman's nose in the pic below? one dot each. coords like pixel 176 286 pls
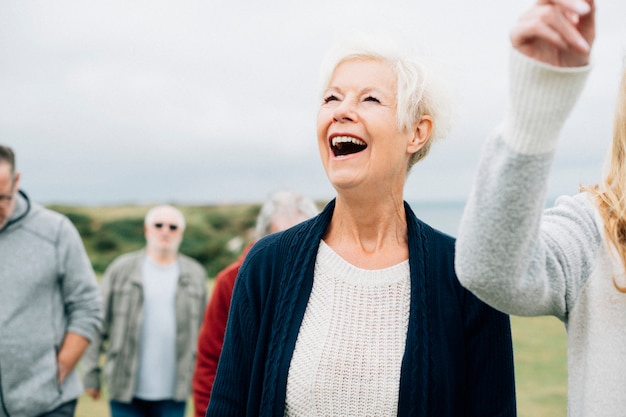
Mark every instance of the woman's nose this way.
pixel 345 111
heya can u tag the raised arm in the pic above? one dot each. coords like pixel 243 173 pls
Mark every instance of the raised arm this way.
pixel 558 33
pixel 509 252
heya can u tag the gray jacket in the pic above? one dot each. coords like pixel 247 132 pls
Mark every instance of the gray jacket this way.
pixel 48 289
pixel 122 290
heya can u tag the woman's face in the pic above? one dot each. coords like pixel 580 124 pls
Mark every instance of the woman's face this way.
pixel 357 129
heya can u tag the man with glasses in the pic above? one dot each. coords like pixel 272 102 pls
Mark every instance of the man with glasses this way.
pixel 50 306
pixel 154 302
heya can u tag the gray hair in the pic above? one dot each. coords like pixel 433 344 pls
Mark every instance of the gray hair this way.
pixel 419 91
pixel 286 206
pixel 152 212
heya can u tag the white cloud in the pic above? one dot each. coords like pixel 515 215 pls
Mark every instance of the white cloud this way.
pixel 111 101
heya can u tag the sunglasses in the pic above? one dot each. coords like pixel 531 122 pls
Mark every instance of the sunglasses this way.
pixel 171 226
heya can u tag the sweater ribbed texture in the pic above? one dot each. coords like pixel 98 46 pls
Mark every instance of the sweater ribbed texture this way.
pixel 534 129
pixel 349 350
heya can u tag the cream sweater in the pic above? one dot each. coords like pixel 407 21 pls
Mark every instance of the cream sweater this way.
pixel 349 350
pixel 528 261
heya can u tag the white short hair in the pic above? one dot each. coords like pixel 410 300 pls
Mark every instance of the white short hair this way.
pixel 420 90
pixel 152 212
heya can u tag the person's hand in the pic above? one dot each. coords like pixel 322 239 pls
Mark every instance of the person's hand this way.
pixel 63 371
pixel 93 393
pixel 557 32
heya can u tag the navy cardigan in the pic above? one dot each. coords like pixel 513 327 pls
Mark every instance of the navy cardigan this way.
pixel 458 359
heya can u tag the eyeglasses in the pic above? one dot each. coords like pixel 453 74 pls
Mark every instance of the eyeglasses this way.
pixel 172 227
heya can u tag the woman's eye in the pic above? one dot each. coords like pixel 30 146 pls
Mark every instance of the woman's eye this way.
pixel 330 98
pixel 370 98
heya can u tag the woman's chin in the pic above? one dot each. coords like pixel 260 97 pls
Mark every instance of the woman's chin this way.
pixel 345 183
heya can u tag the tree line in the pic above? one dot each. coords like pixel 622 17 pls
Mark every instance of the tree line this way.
pixel 214 236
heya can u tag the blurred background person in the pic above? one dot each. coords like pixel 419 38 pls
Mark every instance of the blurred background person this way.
pixel 281 211
pixel 154 300
pixel 50 306
pixel 358 311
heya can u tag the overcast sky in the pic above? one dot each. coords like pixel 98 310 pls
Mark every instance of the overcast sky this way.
pixel 109 102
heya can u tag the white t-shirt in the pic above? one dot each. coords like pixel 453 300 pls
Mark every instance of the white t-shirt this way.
pixel 156 375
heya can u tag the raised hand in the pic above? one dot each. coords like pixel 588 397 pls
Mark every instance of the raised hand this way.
pixel 557 32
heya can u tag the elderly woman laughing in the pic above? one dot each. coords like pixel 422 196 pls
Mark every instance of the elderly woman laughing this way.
pixel 358 311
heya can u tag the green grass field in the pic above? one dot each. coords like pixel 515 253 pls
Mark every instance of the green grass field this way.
pixel 540 365
pixel 540 345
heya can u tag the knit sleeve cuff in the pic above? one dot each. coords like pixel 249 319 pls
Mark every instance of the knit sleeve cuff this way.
pixel 541 98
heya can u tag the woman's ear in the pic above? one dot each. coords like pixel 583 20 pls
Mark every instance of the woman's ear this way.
pixel 421 134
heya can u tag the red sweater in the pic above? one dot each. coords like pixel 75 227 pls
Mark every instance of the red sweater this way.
pixel 211 335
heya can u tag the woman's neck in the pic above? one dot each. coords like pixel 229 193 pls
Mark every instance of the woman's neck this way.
pixel 369 234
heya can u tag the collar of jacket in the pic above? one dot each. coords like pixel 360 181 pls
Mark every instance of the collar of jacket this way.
pixel 16 216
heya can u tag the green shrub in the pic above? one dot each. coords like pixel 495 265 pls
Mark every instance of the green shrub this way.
pixel 104 242
pixel 110 231
pixel 126 230
pixel 82 222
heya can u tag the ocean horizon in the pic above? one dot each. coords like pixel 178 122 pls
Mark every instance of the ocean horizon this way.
pixel 441 215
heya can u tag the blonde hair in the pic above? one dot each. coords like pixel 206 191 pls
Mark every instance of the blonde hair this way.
pixel 611 197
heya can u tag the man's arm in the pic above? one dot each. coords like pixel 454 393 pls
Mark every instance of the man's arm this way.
pixel 81 296
pixel 91 360
pixel 72 349
pixel 211 338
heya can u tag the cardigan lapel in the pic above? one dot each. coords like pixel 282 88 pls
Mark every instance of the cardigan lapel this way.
pixel 414 378
pixel 298 254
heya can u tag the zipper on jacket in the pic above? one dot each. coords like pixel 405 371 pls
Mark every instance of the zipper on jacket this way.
pixel 4 407
pixel 56 355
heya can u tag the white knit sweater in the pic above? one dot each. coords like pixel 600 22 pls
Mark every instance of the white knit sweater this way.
pixel 528 261
pixel 349 350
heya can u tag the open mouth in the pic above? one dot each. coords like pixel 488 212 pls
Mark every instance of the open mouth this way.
pixel 346 145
